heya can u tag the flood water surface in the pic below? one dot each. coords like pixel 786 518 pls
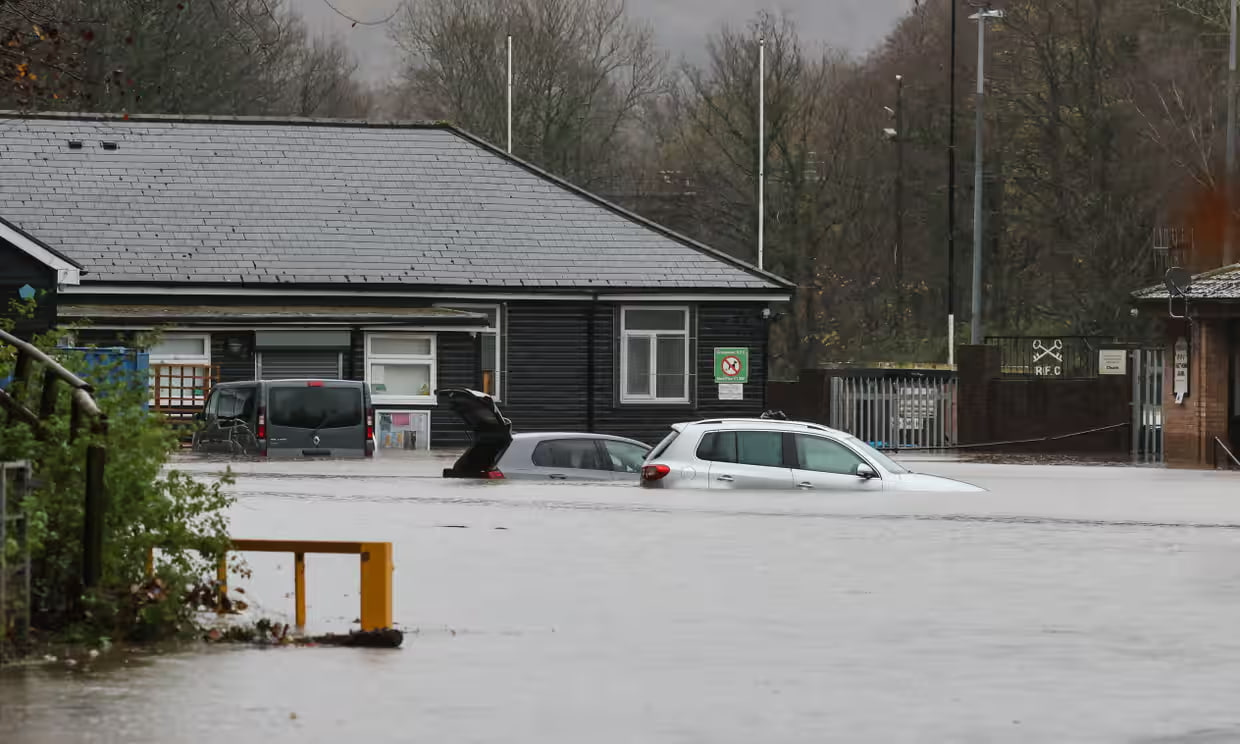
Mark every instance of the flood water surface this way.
pixel 1067 604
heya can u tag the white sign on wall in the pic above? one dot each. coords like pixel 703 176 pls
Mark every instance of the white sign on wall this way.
pixel 1112 362
pixel 1181 370
pixel 731 391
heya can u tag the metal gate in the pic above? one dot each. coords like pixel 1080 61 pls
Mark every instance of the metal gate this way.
pixel 896 412
pixel 1147 405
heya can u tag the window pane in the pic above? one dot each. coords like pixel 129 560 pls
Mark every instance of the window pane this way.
pixel 400 379
pixel 646 319
pixel 236 402
pixel 718 446
pixel 760 448
pixel 386 346
pixel 315 407
pixel 179 347
pixel 825 456
pixel 625 457
pixel 637 381
pixel 670 367
pixel 577 454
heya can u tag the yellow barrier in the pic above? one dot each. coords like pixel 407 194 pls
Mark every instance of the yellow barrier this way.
pixel 376 573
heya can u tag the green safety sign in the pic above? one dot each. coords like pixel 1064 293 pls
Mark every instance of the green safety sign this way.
pixel 731 365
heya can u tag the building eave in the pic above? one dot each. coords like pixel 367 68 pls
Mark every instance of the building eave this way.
pixel 68 271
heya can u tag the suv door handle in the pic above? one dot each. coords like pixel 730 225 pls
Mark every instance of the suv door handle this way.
pixel 726 478
pixel 806 485
pixel 558 476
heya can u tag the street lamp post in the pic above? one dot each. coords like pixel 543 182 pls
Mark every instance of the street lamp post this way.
pixel 975 327
pixel 1229 180
pixel 899 180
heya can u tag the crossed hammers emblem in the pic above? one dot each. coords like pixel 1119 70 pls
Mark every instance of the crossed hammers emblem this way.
pixel 1041 350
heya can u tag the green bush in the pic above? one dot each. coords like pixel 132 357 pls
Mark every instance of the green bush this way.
pixel 147 507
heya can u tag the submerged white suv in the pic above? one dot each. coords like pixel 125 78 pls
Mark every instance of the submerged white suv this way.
pixel 767 453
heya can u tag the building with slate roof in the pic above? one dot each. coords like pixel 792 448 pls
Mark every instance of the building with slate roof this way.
pixel 411 256
pixel 1201 392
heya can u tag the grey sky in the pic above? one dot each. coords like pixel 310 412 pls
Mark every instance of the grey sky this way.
pixel 681 25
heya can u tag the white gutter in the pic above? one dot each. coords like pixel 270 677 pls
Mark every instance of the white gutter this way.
pixel 184 290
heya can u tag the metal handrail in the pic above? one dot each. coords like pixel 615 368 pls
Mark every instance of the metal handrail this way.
pixel 1220 443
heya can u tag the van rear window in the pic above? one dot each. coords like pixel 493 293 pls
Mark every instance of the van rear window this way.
pixel 315 407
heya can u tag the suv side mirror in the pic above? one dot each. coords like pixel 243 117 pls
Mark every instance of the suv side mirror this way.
pixel 866 472
pixel 199 416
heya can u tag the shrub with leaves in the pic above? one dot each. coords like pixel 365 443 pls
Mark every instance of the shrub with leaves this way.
pixel 147 507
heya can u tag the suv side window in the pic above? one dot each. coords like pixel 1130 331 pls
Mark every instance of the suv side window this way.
pixel 826 456
pixel 576 454
pixel 764 448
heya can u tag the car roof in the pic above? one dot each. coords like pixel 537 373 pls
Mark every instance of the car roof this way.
pixel 761 423
pixel 289 379
pixel 541 435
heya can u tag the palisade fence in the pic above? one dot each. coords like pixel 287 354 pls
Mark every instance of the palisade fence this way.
pixel 896 412
pixel 1147 405
pixel 15 600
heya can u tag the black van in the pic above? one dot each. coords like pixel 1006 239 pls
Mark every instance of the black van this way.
pixel 288 418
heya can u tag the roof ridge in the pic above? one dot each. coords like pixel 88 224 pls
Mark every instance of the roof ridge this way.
pixel 227 119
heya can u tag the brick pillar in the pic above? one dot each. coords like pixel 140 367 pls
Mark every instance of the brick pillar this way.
pixel 1189 428
pixel 976 367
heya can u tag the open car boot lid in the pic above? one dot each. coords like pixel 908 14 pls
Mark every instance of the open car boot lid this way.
pixel 490 431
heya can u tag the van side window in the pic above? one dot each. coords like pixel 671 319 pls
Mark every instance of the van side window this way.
pixel 235 402
pixel 577 454
pixel 765 448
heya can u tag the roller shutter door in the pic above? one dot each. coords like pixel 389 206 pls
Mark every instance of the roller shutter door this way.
pixel 318 364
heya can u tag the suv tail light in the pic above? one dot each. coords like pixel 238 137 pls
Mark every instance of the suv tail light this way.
pixel 655 472
pixel 314 383
pixel 494 475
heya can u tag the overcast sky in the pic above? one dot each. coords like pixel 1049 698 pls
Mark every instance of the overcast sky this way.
pixel 681 25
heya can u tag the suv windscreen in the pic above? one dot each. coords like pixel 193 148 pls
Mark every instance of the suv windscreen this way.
pixel 765 448
pixel 888 464
pixel 315 407
pixel 578 454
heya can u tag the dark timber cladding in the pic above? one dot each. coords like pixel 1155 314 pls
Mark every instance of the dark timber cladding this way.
pixel 548 363
pixel 471 268
pixel 18 270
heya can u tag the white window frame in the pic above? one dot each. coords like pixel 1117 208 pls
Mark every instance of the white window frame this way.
pixel 652 336
pixel 431 359
pixel 497 330
pixel 188 359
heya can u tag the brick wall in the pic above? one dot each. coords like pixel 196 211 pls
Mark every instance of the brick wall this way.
pixel 1189 428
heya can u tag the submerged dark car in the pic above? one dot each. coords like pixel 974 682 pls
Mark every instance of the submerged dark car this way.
pixel 287 418
pixel 560 456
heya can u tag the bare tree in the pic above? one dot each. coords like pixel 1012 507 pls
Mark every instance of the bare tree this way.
pixel 582 71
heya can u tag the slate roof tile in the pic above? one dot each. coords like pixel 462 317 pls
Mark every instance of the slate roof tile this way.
pixel 266 202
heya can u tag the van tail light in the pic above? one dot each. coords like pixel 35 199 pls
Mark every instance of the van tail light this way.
pixel 494 474
pixel 655 472
pixel 262 432
pixel 370 432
